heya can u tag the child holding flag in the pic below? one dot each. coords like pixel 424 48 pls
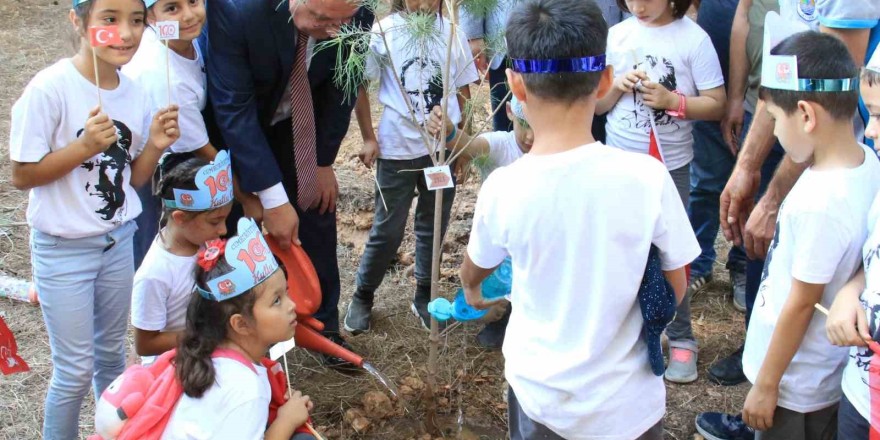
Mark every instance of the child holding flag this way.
pixel 667 75
pixel 811 91
pixel 853 320
pixel 578 219
pixel 81 137
pixel 169 64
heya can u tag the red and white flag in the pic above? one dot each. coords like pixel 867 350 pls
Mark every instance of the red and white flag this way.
pixel 104 36
pixel 654 148
pixel 10 361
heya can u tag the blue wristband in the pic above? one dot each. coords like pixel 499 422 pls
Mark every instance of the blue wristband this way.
pixel 451 135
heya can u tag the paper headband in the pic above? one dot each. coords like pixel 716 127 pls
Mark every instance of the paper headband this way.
pixel 249 257
pixel 874 63
pixel 213 187
pixel 582 64
pixel 780 71
pixel 517 108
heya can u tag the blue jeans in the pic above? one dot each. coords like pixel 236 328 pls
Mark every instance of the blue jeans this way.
pixel 709 173
pixel 398 187
pixel 680 331
pixel 84 286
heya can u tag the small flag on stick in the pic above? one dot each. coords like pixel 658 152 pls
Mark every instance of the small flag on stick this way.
pixel 101 36
pixel 168 30
pixel 10 361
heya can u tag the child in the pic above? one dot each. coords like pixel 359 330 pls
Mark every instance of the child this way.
pixel 852 320
pixel 80 166
pixel 240 304
pixel 795 372
pixel 578 220
pixel 666 71
pixel 417 63
pixel 188 90
pixel 501 148
pixel 194 213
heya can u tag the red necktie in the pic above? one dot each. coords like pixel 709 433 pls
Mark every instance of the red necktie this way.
pixel 302 118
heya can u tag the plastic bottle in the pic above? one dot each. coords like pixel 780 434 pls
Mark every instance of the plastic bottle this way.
pixel 18 289
pixel 496 286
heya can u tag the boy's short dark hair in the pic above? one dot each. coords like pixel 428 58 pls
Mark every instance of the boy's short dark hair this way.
pixel 679 7
pixel 819 56
pixel 557 29
pixel 870 77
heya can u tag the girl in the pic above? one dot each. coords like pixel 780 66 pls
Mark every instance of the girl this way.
pixel 666 75
pixel 417 64
pixel 187 89
pixel 80 161
pixel 240 306
pixel 194 213
pixel 853 318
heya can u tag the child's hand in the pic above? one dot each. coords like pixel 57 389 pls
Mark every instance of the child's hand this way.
pixel 99 132
pixel 369 152
pixel 296 410
pixel 846 324
pixel 627 82
pixel 460 170
pixel 657 96
pixel 164 130
pixel 760 406
pixel 435 121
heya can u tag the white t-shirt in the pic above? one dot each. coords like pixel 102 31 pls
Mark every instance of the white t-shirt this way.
pixel 578 226
pixel 188 87
pixel 420 73
pixel 678 55
pixel 820 231
pixel 503 149
pixel 97 196
pixel 855 375
pixel 163 286
pixel 236 407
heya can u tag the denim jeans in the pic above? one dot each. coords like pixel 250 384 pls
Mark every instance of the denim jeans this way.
pixel 710 170
pixel 84 286
pixel 398 187
pixel 498 91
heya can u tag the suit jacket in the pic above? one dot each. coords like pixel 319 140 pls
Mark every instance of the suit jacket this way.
pixel 249 48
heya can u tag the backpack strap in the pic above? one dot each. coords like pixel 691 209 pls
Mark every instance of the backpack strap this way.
pixel 227 353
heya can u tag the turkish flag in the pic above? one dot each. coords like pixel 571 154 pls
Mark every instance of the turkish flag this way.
pixel 104 36
pixel 10 362
pixel 654 146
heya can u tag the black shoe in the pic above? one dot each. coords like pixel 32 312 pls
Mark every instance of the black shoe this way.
pixel 334 362
pixel 728 371
pixel 419 308
pixel 721 426
pixel 492 335
pixel 357 318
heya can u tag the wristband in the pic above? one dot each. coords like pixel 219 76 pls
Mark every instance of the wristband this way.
pixel 682 106
pixel 451 135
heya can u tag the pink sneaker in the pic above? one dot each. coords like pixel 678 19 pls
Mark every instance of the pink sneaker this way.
pixel 682 366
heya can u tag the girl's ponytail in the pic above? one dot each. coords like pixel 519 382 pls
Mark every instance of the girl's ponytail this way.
pixel 207 326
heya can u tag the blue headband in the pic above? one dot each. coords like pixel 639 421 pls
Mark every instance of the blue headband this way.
pixel 213 187
pixel 828 85
pixel 582 64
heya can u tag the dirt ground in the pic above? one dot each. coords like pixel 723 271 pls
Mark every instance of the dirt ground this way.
pixel 33 34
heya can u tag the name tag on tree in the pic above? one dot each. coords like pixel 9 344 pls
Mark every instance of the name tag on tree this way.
pixel 168 30
pixel 438 177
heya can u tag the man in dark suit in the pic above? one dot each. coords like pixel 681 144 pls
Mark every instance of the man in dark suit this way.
pixel 283 119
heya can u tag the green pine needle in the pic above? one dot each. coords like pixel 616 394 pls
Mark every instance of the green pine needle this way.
pixel 351 45
pixel 479 8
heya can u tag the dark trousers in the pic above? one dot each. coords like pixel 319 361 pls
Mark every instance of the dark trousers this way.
pixel 498 91
pixel 317 232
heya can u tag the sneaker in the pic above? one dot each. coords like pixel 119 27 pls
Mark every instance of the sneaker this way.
pixel 492 335
pixel 357 318
pixel 682 366
pixel 419 308
pixel 334 362
pixel 697 283
pixel 728 371
pixel 721 426
pixel 738 282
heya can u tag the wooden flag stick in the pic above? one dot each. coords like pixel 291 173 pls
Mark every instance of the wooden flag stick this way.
pixel 168 80
pixel 97 79
pixel 821 308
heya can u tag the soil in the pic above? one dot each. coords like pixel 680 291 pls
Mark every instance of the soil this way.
pixel 470 398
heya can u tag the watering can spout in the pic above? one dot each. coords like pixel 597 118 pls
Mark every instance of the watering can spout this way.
pixel 305 290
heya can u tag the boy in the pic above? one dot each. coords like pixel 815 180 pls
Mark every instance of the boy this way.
pixel 578 219
pixel 794 369
pixel 853 318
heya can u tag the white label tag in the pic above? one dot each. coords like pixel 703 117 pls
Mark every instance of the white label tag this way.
pixel 168 30
pixel 438 177
pixel 278 350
